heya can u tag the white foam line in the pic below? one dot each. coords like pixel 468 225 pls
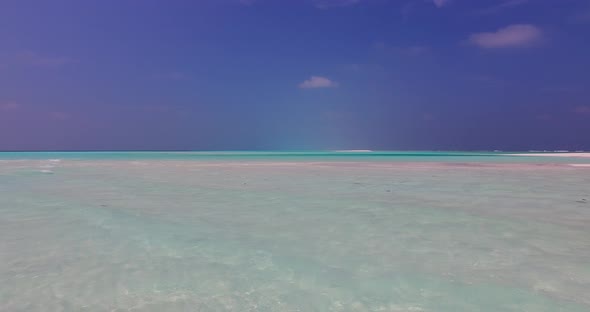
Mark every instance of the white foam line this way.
pixel 582 155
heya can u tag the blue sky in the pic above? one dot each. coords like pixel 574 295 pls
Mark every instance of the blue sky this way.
pixel 316 74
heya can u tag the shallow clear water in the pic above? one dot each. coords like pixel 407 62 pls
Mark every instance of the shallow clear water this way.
pixel 293 233
pixel 299 156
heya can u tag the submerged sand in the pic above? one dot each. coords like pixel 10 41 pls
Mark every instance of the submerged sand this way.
pixel 163 235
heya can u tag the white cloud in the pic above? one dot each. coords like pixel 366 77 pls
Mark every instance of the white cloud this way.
pixel 520 35
pixel 318 82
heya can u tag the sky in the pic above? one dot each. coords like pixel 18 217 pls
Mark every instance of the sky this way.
pixel 294 74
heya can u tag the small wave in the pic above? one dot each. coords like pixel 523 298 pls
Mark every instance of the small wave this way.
pixel 46 171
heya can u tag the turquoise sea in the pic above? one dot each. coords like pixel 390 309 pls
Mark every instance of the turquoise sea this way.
pixel 393 156
pixel 293 231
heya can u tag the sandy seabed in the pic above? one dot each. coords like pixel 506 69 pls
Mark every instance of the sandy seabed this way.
pixel 162 235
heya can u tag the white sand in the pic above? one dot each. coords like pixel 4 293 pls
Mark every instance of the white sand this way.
pixel 574 155
pixel 584 155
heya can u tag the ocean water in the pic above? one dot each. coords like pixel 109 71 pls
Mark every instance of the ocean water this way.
pixel 293 232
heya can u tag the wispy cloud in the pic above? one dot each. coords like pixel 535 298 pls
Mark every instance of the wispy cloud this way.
pixel 325 4
pixel 503 6
pixel 35 59
pixel 441 3
pixel 315 82
pixel 519 35
pixel 9 106
pixel 581 17
pixel 582 109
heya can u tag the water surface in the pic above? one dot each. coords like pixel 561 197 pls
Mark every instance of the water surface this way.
pixel 293 232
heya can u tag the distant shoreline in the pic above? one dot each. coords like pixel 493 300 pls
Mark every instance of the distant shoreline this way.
pixel 579 155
